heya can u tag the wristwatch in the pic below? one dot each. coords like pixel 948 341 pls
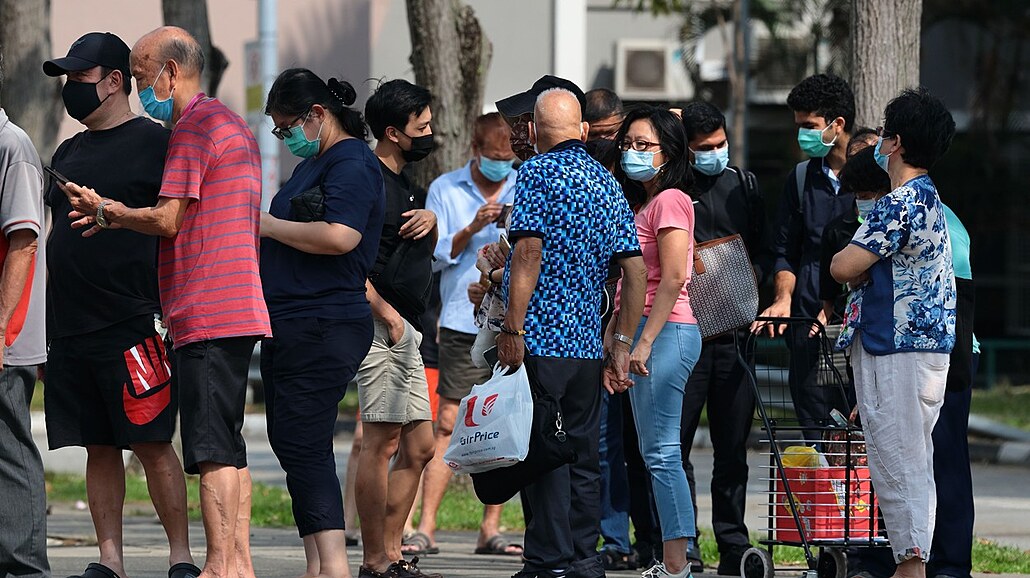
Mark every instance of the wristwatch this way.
pixel 620 337
pixel 101 219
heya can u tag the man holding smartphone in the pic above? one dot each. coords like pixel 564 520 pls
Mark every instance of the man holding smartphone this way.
pixel 108 380
pixel 466 202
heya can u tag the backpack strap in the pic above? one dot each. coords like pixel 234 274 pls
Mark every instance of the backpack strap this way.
pixel 800 177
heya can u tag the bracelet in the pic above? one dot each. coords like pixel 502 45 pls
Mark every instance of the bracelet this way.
pixel 516 332
pixel 490 275
pixel 620 337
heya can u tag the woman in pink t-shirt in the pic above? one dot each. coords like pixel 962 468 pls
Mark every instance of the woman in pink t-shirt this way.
pixel 656 176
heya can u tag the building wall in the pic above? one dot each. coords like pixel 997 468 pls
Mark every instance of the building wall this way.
pixel 523 40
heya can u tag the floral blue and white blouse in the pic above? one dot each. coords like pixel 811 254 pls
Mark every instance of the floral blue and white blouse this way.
pixel 908 304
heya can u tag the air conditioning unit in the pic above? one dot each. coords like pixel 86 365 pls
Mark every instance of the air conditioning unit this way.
pixel 651 69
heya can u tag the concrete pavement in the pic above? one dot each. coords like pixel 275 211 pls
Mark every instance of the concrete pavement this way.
pixel 1001 495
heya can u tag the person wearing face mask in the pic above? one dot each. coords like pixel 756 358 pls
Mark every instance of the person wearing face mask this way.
pixel 313 273
pixel 862 177
pixel 207 215
pixel 393 393
pixel 900 322
pixel 469 204
pixel 97 352
pixel 656 177
pixel 728 202
pixel 824 112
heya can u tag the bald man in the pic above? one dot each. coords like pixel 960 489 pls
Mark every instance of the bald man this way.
pixel 569 221
pixel 207 216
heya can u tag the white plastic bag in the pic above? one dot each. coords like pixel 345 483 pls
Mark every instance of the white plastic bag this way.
pixel 493 424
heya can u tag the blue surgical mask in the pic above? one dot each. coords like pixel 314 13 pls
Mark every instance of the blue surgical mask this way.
pixel 300 145
pixel 864 206
pixel 639 165
pixel 811 142
pixel 881 159
pixel 495 171
pixel 158 109
pixel 712 162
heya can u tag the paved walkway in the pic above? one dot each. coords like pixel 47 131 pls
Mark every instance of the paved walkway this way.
pixel 1002 501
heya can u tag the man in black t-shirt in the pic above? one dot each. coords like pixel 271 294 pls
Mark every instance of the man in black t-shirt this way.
pixel 726 202
pixel 108 382
pixel 392 389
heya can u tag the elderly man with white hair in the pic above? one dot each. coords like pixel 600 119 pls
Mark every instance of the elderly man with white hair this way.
pixel 569 220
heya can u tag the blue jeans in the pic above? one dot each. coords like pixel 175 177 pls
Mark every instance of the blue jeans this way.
pixel 614 480
pixel 657 407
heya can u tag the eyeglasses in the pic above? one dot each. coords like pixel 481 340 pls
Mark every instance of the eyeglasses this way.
pixel 638 145
pixel 285 133
pixel 884 133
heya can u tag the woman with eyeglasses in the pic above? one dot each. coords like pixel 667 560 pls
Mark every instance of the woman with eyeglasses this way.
pixel 656 177
pixel 319 241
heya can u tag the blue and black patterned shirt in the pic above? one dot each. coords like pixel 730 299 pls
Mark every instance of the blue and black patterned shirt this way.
pixel 909 302
pixel 575 206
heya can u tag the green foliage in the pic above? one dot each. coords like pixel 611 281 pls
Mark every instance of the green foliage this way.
pixel 1007 404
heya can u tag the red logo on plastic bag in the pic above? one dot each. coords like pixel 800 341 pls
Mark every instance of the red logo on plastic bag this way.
pixel 470 409
pixel 488 404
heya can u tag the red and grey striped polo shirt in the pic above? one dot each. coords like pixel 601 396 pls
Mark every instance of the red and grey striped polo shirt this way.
pixel 208 273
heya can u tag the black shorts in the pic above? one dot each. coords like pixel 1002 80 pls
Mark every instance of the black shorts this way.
pixel 111 387
pixel 212 378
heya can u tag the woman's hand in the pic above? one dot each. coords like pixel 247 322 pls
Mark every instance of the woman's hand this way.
pixel 638 358
pixel 476 293
pixel 490 257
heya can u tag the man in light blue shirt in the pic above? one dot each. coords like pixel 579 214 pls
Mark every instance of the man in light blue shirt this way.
pixel 471 205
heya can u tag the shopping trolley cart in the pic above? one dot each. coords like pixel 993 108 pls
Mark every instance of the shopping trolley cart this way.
pixel 820 497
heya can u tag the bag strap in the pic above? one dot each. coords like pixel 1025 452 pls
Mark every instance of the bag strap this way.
pixel 800 177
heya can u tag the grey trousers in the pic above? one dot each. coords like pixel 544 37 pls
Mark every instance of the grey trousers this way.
pixel 23 507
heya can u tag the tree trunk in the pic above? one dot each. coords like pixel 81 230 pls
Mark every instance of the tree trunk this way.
pixel 451 56
pixel 885 44
pixel 738 84
pixel 191 15
pixel 31 99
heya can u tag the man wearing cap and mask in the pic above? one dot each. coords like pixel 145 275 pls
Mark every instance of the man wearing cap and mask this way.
pixel 108 380
pixel 23 221
pixel 569 220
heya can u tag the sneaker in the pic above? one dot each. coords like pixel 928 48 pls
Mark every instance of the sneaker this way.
pixel 364 572
pixel 659 571
pixel 405 569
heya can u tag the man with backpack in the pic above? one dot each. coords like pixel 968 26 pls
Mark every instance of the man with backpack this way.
pixel 824 112
pixel 727 202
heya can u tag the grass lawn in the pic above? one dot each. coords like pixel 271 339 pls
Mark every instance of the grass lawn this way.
pixel 461 510
pixel 1004 403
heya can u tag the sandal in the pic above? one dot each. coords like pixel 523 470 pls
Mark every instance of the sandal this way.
pixel 96 570
pixel 183 570
pixel 496 545
pixel 418 544
pixel 614 560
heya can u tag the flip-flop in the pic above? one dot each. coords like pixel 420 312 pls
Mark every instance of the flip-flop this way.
pixel 496 545
pixel 184 570
pixel 418 544
pixel 96 570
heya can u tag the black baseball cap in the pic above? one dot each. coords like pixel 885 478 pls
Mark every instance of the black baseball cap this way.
pixel 93 49
pixel 524 102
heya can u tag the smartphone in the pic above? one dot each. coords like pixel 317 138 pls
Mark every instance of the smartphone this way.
pixel 504 243
pixel 503 217
pixel 490 355
pixel 838 418
pixel 56 175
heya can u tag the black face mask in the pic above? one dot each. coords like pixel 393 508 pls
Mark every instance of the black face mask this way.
pixel 80 98
pixel 421 146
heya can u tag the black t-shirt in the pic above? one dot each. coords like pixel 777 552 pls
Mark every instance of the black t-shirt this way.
pixel 728 204
pixel 402 196
pixel 837 235
pixel 95 282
